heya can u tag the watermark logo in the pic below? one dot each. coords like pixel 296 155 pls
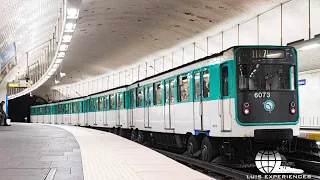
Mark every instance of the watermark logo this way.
pixel 269 162
pixel 269 105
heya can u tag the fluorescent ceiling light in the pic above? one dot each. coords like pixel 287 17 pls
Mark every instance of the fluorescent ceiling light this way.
pixel 56 81
pixel 66 38
pixel 53 69
pixel 309 47
pixel 62 74
pixel 48 76
pixel 63 47
pixel 72 13
pixel 70 27
pixel 58 61
pixel 61 54
pixel 50 73
pixel 55 66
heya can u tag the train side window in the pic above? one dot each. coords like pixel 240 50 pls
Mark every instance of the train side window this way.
pixel 158 93
pixel 100 103
pixel 139 96
pixel 184 84
pixel 225 87
pixel 67 108
pixel 124 100
pixel 197 85
pixel 106 102
pixel 112 102
pixel 119 104
pixel 206 83
pixel 132 98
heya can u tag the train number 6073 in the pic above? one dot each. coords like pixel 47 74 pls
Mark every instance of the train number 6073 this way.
pixel 262 95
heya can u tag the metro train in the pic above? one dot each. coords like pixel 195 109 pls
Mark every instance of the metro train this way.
pixel 232 103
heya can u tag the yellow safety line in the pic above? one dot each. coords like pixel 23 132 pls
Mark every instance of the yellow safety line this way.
pixel 313 136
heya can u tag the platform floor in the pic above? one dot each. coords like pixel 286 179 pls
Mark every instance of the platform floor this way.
pixel 39 151
pixel 108 156
pixel 33 152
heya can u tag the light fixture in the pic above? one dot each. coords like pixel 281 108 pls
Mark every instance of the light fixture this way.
pixel 53 69
pixel 61 54
pixel 66 38
pixel 50 73
pixel 56 81
pixel 309 47
pixel 62 74
pixel 72 13
pixel 55 65
pixel 318 143
pixel 58 61
pixel 70 27
pixel 48 76
pixel 63 47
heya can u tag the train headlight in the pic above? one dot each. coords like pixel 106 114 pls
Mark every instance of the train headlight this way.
pixel 292 108
pixel 246 111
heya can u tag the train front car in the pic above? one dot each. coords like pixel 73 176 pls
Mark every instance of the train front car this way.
pixel 267 94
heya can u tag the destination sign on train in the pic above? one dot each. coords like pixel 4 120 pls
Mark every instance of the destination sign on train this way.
pixel 268 53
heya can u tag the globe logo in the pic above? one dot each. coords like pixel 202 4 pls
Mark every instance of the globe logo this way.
pixel 269 105
pixel 268 161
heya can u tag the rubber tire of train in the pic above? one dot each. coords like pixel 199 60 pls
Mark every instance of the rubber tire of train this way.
pixel 134 135
pixel 209 149
pixel 122 133
pixel 140 137
pixel 192 141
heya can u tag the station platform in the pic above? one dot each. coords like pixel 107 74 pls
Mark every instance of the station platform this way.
pixel 50 150
pixel 33 152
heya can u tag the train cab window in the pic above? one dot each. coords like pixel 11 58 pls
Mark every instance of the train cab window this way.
pixel 197 85
pixel 184 90
pixel 225 76
pixel 266 77
pixel 158 93
pixel 206 83
pixel 112 102
pixel 292 78
pixel 139 96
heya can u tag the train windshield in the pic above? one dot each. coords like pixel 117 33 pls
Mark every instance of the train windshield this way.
pixel 266 77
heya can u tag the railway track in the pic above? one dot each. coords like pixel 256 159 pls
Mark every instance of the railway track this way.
pixel 222 170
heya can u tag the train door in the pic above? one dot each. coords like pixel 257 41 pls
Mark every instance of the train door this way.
pixel 148 94
pixel 95 110
pixel 87 110
pixel 105 108
pixel 169 104
pixel 131 99
pixel 71 110
pixel 225 102
pixel 197 101
pixel 119 107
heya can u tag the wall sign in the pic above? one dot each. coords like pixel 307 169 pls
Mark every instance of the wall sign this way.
pixel 302 82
